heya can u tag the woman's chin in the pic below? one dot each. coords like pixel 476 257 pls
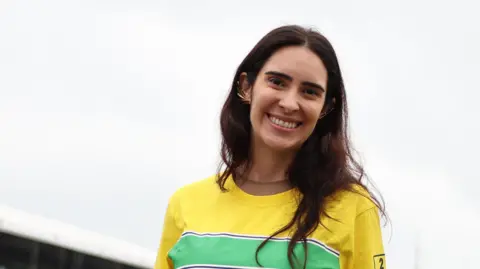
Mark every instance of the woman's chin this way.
pixel 280 145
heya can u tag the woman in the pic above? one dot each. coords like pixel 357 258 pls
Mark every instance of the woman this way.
pixel 291 194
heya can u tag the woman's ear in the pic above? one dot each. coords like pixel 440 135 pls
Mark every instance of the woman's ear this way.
pixel 327 108
pixel 244 89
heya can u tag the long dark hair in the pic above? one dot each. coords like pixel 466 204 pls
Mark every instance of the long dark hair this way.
pixel 325 164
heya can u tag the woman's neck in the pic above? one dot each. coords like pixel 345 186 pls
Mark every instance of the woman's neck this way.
pixel 267 165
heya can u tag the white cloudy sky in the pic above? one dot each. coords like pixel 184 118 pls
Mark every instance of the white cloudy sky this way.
pixel 106 107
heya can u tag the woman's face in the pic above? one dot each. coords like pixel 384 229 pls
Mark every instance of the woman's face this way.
pixel 287 98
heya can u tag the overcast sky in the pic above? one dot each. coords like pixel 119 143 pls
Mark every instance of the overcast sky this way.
pixel 107 107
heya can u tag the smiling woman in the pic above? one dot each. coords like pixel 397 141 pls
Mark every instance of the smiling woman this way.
pixel 291 195
pixel 288 98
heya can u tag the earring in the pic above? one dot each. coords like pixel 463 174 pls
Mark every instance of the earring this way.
pixel 243 97
pixel 325 114
pixel 322 115
pixel 241 94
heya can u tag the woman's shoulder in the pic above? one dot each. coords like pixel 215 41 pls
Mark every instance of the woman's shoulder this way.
pixel 354 200
pixel 196 190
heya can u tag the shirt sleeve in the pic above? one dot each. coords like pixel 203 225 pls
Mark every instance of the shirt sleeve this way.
pixel 170 235
pixel 368 251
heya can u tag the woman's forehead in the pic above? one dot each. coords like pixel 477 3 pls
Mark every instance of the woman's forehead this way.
pixel 300 63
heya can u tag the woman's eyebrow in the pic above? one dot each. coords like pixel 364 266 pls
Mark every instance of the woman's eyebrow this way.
pixel 289 78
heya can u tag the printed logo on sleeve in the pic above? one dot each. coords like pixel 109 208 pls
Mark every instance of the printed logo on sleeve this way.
pixel 379 261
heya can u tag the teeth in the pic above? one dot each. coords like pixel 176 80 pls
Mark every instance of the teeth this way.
pixel 285 124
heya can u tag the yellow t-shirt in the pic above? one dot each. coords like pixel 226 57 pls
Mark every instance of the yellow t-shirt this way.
pixel 207 228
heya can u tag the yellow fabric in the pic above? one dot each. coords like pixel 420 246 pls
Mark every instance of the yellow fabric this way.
pixel 202 207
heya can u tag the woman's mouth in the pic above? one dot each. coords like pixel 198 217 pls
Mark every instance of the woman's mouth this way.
pixel 283 123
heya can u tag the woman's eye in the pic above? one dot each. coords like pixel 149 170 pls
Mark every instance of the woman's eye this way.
pixel 311 91
pixel 276 81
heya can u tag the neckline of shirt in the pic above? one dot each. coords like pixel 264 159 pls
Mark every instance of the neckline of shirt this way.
pixel 285 197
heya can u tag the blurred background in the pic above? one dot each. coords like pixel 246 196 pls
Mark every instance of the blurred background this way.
pixel 107 107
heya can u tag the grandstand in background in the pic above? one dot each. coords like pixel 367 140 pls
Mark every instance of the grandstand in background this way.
pixel 32 242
